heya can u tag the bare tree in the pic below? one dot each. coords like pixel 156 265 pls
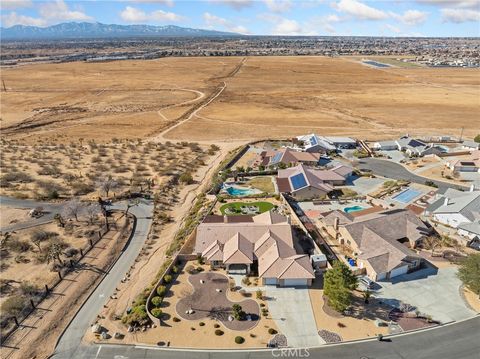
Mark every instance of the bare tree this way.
pixel 72 209
pixel 131 204
pixel 432 243
pixel 92 211
pixel 107 184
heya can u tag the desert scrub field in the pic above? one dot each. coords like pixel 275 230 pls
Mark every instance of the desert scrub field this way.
pixel 51 171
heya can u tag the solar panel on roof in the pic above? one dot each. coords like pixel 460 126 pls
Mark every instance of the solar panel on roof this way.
pixel 277 158
pixel 313 141
pixel 298 181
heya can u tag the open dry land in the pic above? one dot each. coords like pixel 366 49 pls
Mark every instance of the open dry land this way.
pixel 54 171
pixel 263 97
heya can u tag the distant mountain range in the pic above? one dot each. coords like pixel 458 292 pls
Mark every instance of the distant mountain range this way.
pixel 71 30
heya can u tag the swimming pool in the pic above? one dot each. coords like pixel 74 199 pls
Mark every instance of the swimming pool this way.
pixel 353 209
pixel 407 196
pixel 239 191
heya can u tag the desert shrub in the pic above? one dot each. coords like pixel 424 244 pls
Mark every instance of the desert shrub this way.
pixel 200 269
pixel 190 269
pixel 42 236
pixel 15 305
pixel 175 269
pixel 82 188
pixel 157 301
pixel 137 316
pixel 70 252
pixel 167 278
pixel 201 324
pixel 272 331
pixel 161 290
pixel 259 294
pixel 18 245
pixel 239 340
pixel 157 312
pixel 216 325
pixel 219 332
pixel 16 177
pixel 176 320
pixel 186 178
pixel 49 171
pixel 29 289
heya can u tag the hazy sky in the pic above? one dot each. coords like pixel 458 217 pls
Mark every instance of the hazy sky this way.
pixel 263 17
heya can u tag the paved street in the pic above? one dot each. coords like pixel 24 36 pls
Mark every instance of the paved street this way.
pixel 435 294
pixel 70 342
pixel 458 340
pixel 397 171
pixel 50 210
pixel 292 311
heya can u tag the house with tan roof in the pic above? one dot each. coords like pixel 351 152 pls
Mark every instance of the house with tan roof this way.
pixel 303 182
pixel 287 157
pixel 261 243
pixel 381 243
pixel 469 164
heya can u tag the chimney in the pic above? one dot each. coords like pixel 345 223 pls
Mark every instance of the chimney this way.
pixel 336 221
pixel 445 203
pixel 472 187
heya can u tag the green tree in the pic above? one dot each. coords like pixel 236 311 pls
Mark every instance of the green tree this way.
pixel 186 178
pixel 338 285
pixel 477 138
pixel 469 273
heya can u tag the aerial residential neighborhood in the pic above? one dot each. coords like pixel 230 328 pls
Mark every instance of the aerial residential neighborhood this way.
pixel 235 178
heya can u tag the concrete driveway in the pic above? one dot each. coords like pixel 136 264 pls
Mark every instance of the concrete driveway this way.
pixel 435 294
pixel 292 311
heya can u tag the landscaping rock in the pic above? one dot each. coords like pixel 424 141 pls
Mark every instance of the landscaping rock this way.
pixel 278 341
pixel 329 337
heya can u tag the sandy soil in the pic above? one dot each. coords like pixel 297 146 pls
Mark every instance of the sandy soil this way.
pixel 76 169
pixel 10 215
pixel 268 96
pixel 42 328
pixel 472 299
pixel 349 328
pixel 181 334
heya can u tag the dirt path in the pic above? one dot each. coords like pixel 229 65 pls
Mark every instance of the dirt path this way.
pixel 37 335
pixel 200 96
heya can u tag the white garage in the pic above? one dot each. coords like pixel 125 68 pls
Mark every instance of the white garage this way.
pixel 398 271
pixel 270 281
pixel 294 282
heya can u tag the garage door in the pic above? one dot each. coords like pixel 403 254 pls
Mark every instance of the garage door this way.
pixel 381 276
pixel 294 282
pixel 398 271
pixel 237 269
pixel 270 281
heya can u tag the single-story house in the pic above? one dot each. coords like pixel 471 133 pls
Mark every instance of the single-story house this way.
pixel 262 243
pixel 385 146
pixel 417 148
pixel 471 145
pixel 469 230
pixel 315 143
pixel 288 157
pixel 469 164
pixel 382 242
pixel 455 207
pixel 304 182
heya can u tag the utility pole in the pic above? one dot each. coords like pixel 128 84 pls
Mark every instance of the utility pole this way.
pixel 461 134
pixel 4 88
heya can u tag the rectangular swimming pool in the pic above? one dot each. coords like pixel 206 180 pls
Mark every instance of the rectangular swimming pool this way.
pixel 407 196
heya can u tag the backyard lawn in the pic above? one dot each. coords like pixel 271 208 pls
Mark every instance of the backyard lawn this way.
pixel 262 207
pixel 264 184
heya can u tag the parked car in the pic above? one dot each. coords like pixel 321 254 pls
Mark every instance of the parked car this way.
pixel 367 282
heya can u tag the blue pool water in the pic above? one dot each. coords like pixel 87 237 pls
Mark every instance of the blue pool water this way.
pixel 234 191
pixel 407 195
pixel 375 63
pixel 352 209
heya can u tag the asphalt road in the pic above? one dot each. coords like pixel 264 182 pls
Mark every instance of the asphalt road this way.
pixel 396 171
pixel 50 210
pixel 69 345
pixel 458 340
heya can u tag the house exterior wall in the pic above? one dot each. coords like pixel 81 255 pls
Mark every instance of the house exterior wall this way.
pixel 450 219
pixel 467 234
